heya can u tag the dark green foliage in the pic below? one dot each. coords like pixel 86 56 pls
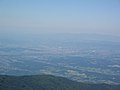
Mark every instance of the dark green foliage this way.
pixel 48 82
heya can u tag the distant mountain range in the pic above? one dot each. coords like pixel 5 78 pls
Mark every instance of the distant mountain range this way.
pixel 48 82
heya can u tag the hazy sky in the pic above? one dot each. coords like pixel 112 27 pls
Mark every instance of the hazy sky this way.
pixel 73 16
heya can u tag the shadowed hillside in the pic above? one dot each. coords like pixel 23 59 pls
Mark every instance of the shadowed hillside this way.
pixel 47 82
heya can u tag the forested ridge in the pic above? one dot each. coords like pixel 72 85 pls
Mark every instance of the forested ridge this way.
pixel 48 82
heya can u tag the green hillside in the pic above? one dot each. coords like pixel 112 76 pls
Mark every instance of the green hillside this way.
pixel 48 82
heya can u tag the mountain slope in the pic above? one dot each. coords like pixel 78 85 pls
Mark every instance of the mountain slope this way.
pixel 48 82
